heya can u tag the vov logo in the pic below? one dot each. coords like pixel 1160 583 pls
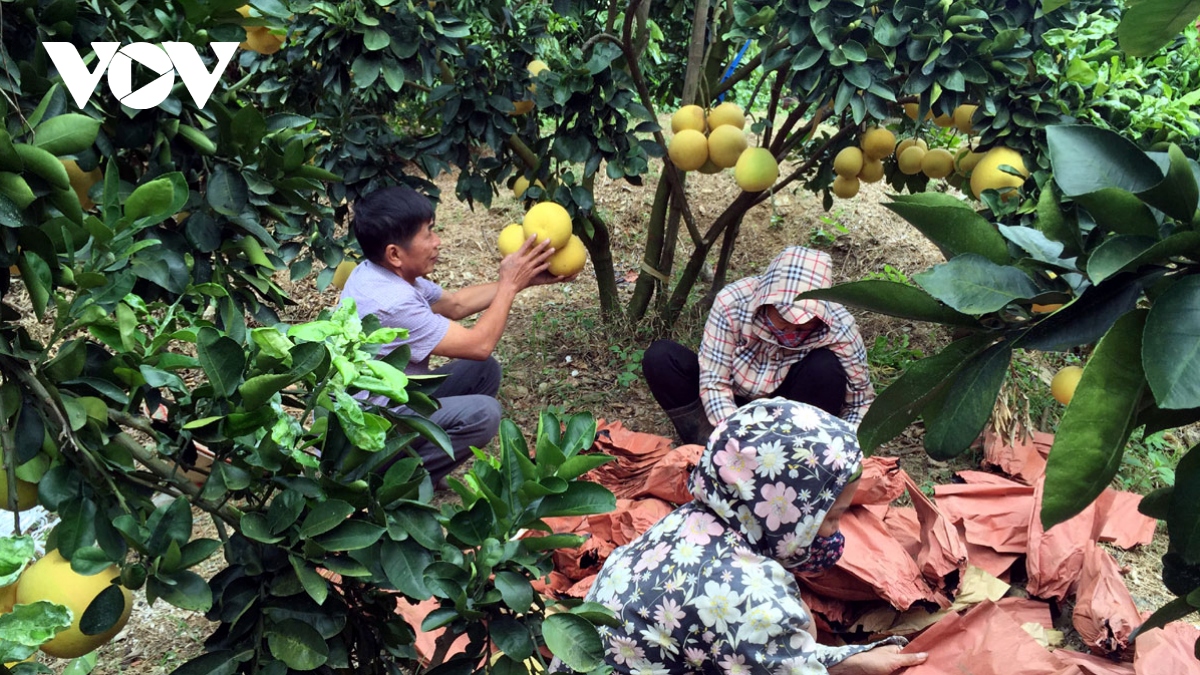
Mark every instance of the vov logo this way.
pixel 178 57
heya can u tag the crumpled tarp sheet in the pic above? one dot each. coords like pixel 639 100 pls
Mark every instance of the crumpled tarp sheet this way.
pixel 986 640
pixel 1104 614
pixel 1024 458
pixel 645 466
pixel 882 481
pixel 1170 650
pixel 1054 560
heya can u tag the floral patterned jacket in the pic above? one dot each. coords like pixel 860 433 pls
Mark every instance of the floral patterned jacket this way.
pixel 707 589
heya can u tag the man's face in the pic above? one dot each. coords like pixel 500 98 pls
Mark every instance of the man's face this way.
pixel 418 258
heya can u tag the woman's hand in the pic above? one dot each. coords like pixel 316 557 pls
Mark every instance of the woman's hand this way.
pixel 883 660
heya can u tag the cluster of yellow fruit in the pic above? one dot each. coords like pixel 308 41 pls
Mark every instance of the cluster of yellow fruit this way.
pixel 550 221
pixel 862 164
pixel 51 579
pixel 259 38
pixel 713 141
pixel 981 168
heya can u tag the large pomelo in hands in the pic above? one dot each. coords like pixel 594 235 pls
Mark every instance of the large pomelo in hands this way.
pixel 511 238
pixel 548 221
pixel 569 260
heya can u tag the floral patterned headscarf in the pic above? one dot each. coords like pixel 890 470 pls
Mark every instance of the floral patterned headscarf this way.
pixel 772 471
pixel 705 590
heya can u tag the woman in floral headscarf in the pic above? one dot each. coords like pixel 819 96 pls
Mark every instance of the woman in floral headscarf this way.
pixel 709 589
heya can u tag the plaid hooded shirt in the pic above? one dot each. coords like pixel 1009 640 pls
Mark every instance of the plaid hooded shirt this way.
pixel 739 356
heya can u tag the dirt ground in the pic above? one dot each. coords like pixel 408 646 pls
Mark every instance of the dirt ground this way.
pixel 557 353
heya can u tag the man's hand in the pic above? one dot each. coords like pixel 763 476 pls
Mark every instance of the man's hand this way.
pixel 883 660
pixel 524 267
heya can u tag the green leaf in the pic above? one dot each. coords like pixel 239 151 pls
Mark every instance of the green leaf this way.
pixel 553 541
pixel 31 625
pixel 1095 426
pixel 314 584
pixel 222 359
pixel 324 517
pixel 1157 504
pixel 375 39
pixel 903 400
pixel 1183 522
pixel 223 662
pixel 421 526
pixel 1127 253
pixel 580 499
pixel 284 510
pixel 103 612
pixel 351 535
pixel 1036 244
pixel 1173 328
pixel 515 590
pixel 973 284
pixel 1120 211
pixel 511 637
pixel 1050 222
pixel 1148 25
pixel 1177 194
pixel 597 614
pixel 1085 319
pixel 154 201
pixel 15 554
pixel 90 560
pixel 573 640
pixel 428 430
pixel 951 224
pixel 404 564
pixel 184 589
pixel 893 299
pixel 67 134
pixel 254 526
pixel 1177 609
pixel 35 273
pixel 1086 159
pixel 474 525
pixel 968 403
pixel 81 665
pixel 581 464
pixel 297 644
pixel 227 191
pixel 439 618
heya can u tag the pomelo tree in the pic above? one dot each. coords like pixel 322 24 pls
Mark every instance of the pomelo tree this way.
pixel 144 373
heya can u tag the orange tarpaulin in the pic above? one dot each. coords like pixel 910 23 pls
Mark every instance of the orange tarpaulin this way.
pixel 1024 459
pixel 987 640
pixel 942 556
pixel 1170 650
pixel 1105 614
pixel 645 464
pixel 1055 557
pixel 882 481
pixel 1120 521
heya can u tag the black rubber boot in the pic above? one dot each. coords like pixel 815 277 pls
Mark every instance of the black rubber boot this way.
pixel 691 423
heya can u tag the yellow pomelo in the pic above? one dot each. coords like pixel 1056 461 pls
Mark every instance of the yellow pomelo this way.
pixel 908 143
pixel 910 109
pixel 26 493
pixel 536 67
pixel 548 221
pixel 756 170
pixel 521 107
pixel 726 144
pixel 52 579
pixel 82 181
pixel 1062 386
pixel 726 113
pixel 342 273
pixel 568 260
pixel 260 39
pixel 877 143
pixel 966 159
pixel 872 171
pixel 962 118
pixel 8 598
pixel 688 150
pixel 909 161
pixel 848 162
pixel 845 187
pixel 688 117
pixel 244 10
pixel 521 184
pixel 944 121
pixel 937 163
pixel 988 176
pixel 511 238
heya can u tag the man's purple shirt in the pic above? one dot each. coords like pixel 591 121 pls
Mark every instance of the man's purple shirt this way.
pixel 399 304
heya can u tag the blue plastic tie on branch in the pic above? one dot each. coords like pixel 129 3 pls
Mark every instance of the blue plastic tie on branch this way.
pixel 733 66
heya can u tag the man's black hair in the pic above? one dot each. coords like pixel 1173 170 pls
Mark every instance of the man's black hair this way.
pixel 392 215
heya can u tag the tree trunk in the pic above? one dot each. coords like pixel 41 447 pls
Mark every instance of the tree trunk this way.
pixel 666 262
pixel 646 284
pixel 691 77
pixel 732 214
pixel 600 250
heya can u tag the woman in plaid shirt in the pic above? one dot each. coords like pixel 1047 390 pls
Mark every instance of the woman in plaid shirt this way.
pixel 760 341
